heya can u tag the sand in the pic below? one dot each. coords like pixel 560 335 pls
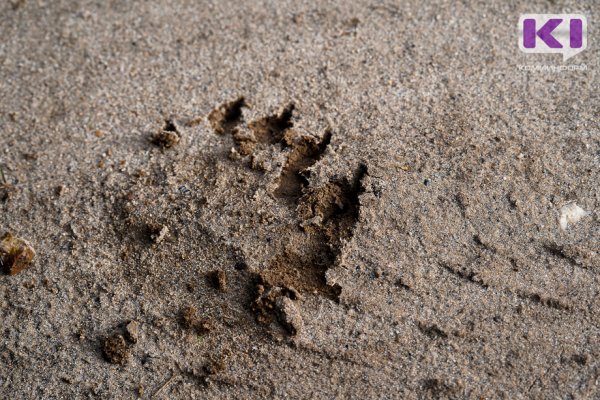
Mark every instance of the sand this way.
pixel 284 199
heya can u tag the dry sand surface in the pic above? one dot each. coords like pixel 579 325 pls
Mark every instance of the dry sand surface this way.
pixel 289 199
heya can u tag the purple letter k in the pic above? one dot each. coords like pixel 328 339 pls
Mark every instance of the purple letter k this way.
pixel 545 33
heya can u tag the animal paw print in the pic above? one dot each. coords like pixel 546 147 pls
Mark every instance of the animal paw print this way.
pixel 326 214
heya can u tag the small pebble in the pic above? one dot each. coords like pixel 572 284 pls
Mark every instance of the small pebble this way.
pixel 115 350
pixel 158 233
pixel 132 331
pixel 16 254
pixel 288 315
pixel 570 214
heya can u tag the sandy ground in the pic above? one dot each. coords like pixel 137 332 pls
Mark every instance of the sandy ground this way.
pixel 297 200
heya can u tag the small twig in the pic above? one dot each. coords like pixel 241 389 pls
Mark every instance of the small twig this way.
pixel 167 383
pixel 2 176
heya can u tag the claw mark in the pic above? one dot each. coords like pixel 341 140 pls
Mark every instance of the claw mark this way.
pixel 268 130
pixel 168 137
pixel 227 116
pixel 272 129
pixel 306 151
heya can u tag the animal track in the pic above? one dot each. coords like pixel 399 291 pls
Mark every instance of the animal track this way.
pixel 327 214
pixel 224 118
pixel 333 209
pixel 269 130
pixel 305 152
pixel 168 137
pixel 272 129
